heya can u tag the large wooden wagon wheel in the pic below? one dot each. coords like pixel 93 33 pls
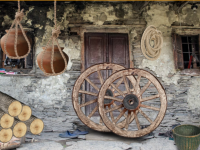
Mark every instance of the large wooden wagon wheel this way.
pixel 79 105
pixel 133 102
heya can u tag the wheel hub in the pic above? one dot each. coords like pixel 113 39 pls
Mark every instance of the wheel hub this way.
pixel 108 93
pixel 131 102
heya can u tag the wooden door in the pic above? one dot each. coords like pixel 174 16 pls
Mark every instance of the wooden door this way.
pixel 101 48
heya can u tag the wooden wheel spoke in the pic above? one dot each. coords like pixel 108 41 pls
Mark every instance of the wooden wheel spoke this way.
pixel 92 84
pixel 126 85
pixel 143 114
pixel 138 81
pixel 120 110
pixel 117 94
pixel 120 115
pixel 89 93
pixel 88 103
pixel 132 90
pixel 113 98
pixel 136 120
pixel 111 114
pixel 100 77
pixel 119 82
pixel 128 120
pixel 114 108
pixel 133 117
pixel 144 88
pixel 120 92
pixel 149 98
pixel 133 82
pixel 137 86
pixel 150 107
pixel 92 113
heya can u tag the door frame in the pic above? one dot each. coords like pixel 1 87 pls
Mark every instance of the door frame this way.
pixel 82 29
pixel 102 29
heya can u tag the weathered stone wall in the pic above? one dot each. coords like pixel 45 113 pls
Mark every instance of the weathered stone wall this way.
pixel 50 97
pixel 182 92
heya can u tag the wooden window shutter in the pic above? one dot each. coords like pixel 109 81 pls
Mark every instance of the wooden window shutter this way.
pixel 29 58
pixel 178 53
pixel 1 54
pixel 199 45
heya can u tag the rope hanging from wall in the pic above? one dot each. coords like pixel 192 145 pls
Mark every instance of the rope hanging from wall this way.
pixel 151 43
pixel 51 68
pixel 21 50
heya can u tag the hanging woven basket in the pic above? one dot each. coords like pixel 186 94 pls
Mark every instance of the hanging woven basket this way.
pixel 22 45
pixel 58 61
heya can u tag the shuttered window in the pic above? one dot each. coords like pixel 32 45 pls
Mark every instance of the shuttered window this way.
pixel 178 53
pixel 186 51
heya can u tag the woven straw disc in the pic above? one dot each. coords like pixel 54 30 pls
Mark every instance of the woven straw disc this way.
pixel 36 126
pixel 6 121
pixel 15 108
pixel 19 130
pixel 25 114
pixel 5 135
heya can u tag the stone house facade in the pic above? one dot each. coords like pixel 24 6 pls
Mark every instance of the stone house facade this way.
pixel 50 97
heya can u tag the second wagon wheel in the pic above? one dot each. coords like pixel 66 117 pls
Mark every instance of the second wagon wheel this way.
pixel 144 102
pixel 80 106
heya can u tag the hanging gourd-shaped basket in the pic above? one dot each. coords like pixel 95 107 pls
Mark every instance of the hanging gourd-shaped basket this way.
pixel 52 61
pixel 15 44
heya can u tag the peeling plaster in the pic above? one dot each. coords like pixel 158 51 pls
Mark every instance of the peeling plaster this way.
pixel 41 88
pixel 47 35
pixel 133 34
pixel 189 17
pixel 172 17
pixel 159 16
pixel 29 22
pixel 50 14
pixel 73 49
pixel 93 13
pixel 164 65
pixel 7 20
pixel 194 94
pixel 38 26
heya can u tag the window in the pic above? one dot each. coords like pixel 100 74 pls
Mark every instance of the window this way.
pixel 190 48
pixel 19 66
pixel 186 51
